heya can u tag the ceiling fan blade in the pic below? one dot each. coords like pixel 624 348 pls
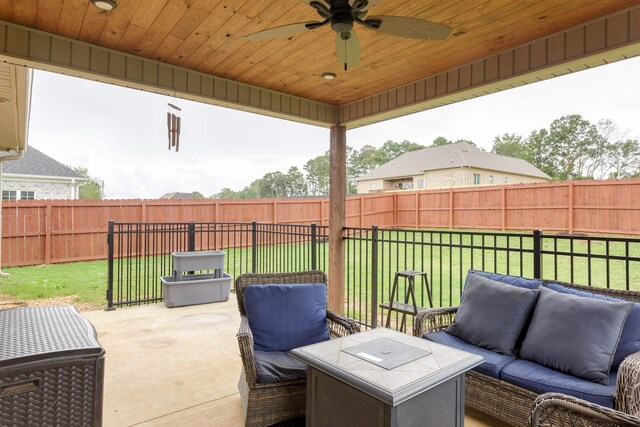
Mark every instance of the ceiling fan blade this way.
pixel 412 28
pixel 283 31
pixel 322 2
pixel 348 49
pixel 363 5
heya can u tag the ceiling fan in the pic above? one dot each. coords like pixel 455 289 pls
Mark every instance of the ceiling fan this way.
pixel 342 14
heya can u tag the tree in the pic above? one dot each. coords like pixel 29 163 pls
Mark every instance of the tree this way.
pixel 197 195
pixel 296 185
pixel 226 193
pixel 317 170
pixel 573 148
pixel 568 149
pixel 92 188
pixel 441 140
pixel 510 144
pixel 391 149
pixel 359 163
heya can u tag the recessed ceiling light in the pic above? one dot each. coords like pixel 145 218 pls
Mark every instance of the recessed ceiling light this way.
pixel 105 4
pixel 328 76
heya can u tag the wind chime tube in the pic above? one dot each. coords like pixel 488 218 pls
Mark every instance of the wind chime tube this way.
pixel 177 134
pixel 173 130
pixel 169 128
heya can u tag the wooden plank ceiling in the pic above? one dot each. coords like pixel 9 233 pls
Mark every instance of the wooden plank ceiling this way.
pixel 207 36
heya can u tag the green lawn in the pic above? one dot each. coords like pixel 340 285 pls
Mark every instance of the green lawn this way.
pixel 87 280
pixel 445 257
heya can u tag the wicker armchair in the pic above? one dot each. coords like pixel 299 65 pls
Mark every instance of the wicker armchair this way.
pixel 514 405
pixel 268 403
pixel 555 409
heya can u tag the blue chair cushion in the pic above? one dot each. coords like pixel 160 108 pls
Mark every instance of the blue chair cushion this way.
pixel 521 282
pixel 493 362
pixel 575 335
pixel 539 379
pixel 629 339
pixel 278 366
pixel 492 314
pixel 286 316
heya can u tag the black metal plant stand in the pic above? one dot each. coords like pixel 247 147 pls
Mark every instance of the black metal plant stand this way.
pixel 409 305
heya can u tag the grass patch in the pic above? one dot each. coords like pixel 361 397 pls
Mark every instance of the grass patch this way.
pixel 87 280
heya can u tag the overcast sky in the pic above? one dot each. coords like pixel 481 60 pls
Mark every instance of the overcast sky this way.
pixel 120 134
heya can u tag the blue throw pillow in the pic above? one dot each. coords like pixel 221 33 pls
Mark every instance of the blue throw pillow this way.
pixel 521 282
pixel 286 316
pixel 630 339
pixel 575 335
pixel 492 314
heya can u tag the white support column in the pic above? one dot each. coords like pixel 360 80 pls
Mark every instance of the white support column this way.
pixel 337 203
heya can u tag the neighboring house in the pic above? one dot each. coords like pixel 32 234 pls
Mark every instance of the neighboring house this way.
pixel 177 196
pixel 452 165
pixel 38 176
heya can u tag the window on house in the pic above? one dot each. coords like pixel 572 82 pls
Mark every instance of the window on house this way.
pixel 421 183
pixel 407 185
pixel 9 195
pixel 505 179
pixel 27 195
pixel 476 178
pixel 490 179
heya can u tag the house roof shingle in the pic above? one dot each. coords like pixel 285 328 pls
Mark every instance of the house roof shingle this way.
pixel 36 163
pixel 177 196
pixel 456 155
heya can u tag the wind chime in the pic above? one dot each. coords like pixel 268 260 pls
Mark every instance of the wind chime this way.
pixel 173 126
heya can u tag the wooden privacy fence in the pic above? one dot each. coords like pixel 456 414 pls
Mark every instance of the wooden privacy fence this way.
pixel 52 231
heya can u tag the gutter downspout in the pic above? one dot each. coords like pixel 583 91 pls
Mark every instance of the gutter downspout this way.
pixel 13 156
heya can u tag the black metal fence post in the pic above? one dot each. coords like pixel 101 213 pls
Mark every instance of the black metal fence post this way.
pixel 191 236
pixel 537 254
pixel 374 276
pixel 110 249
pixel 314 249
pixel 254 247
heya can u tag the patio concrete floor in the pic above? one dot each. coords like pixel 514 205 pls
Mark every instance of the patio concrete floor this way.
pixel 178 366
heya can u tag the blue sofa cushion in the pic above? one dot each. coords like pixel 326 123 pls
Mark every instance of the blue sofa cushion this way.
pixel 278 366
pixel 493 362
pixel 629 339
pixel 521 282
pixel 575 335
pixel 539 379
pixel 492 314
pixel 286 316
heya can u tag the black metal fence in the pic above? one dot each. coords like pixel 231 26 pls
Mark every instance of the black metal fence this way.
pixel 140 253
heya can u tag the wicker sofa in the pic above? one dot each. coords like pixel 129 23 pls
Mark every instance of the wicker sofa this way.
pixel 519 406
pixel 268 402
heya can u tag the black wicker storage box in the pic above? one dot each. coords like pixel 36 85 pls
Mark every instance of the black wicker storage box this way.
pixel 51 368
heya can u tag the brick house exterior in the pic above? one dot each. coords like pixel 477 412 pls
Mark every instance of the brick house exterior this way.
pixel 453 165
pixel 38 176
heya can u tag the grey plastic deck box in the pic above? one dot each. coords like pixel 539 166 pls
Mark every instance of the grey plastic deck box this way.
pixel 188 289
pixel 195 289
pixel 198 260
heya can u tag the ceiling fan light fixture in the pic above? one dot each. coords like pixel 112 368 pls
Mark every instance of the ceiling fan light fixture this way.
pixel 105 4
pixel 328 76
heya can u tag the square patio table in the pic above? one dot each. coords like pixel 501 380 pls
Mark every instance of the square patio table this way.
pixel 384 378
